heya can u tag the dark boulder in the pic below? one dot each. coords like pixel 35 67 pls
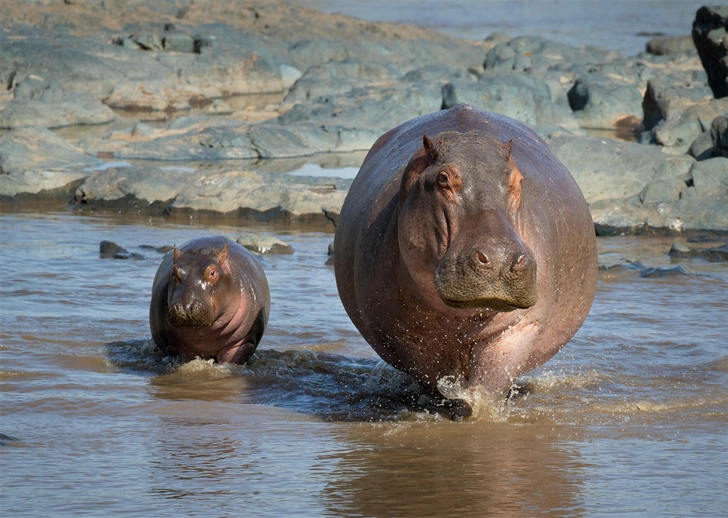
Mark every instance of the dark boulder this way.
pixel 709 34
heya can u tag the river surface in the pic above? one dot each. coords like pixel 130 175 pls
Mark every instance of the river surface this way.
pixel 621 25
pixel 630 419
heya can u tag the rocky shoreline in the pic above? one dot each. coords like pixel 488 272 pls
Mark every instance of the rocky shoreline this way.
pixel 179 109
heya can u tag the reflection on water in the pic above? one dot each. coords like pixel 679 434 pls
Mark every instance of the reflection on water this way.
pixel 473 469
pixel 629 418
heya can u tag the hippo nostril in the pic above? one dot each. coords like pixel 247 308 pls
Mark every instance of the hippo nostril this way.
pixel 482 258
pixel 520 262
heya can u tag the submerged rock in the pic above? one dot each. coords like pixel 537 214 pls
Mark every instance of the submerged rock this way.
pixel 666 271
pixel 110 250
pixel 263 244
pixel 713 254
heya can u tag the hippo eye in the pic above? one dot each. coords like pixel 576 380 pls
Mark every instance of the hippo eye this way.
pixel 442 179
pixel 211 273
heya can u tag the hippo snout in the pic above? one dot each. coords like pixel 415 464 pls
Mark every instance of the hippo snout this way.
pixel 497 274
pixel 192 314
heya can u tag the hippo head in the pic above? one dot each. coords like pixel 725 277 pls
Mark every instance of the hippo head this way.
pixel 459 223
pixel 198 284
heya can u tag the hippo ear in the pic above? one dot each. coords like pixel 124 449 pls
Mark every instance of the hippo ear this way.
pixel 417 164
pixel 505 150
pixel 514 188
pixel 222 254
pixel 176 254
pixel 432 148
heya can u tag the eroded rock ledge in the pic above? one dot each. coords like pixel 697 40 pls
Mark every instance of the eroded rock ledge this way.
pixel 163 87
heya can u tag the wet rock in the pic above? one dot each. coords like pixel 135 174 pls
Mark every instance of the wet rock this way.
pixel 715 254
pixel 614 262
pixel 670 45
pixel 5 439
pixel 263 244
pixel 709 35
pixel 110 250
pixel 712 254
pixel 681 251
pixel 666 271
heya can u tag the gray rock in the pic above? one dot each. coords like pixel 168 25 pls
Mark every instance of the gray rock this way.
pixel 710 177
pixel 178 41
pixel 38 102
pixel 525 98
pixel 227 191
pixel 702 146
pixel 535 54
pixel 608 169
pixel 272 141
pixel 719 136
pixel 289 75
pixel 665 100
pixel 263 244
pixel 709 35
pixel 25 170
pixel 670 45
pixel 498 37
pixel 148 41
pixel 335 78
pixel 599 101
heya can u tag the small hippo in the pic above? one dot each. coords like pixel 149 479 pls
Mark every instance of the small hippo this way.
pixel 465 251
pixel 210 299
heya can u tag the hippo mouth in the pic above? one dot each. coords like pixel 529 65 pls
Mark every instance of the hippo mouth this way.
pixel 498 305
pixel 182 319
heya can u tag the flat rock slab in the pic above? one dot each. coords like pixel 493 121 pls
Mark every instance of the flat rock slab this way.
pixel 255 194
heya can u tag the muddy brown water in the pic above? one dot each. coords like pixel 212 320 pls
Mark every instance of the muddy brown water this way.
pixel 629 419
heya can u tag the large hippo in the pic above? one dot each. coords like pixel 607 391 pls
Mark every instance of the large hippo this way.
pixel 210 299
pixel 465 251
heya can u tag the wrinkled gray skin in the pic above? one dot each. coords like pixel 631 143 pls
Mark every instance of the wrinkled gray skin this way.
pixel 210 299
pixel 465 249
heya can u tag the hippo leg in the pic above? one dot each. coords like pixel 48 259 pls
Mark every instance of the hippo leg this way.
pixel 237 353
pixel 495 367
